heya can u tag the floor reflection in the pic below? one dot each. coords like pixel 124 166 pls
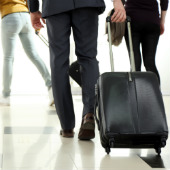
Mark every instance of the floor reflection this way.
pixel 156 161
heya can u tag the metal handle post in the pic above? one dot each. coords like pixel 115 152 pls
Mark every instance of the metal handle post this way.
pixel 132 58
pixel 110 43
pixel 42 38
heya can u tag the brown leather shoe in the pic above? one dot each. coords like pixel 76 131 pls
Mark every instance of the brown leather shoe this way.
pixel 87 127
pixel 67 133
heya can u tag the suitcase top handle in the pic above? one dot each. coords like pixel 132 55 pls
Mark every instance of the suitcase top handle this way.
pixel 132 59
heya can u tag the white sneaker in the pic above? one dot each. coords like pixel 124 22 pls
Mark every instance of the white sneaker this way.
pixel 5 101
pixel 51 98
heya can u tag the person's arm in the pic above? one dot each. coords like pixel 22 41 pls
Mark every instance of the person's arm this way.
pixel 162 22
pixel 33 5
pixel 119 14
pixel 164 7
pixel 35 14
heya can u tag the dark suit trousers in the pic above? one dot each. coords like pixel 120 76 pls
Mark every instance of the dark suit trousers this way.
pixel 84 24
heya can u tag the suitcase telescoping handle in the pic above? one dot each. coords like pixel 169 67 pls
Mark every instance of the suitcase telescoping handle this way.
pixel 132 59
pixel 37 32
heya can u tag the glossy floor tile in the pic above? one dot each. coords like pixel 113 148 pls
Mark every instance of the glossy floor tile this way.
pixel 30 140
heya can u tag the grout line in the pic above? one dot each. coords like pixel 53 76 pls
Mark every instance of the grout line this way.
pixel 73 161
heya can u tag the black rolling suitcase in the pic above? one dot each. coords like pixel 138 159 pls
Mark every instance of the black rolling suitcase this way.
pixel 129 107
pixel 74 72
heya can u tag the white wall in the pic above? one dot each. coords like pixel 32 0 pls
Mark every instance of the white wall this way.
pixel 27 80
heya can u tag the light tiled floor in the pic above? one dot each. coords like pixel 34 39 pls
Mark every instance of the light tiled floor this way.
pixel 30 140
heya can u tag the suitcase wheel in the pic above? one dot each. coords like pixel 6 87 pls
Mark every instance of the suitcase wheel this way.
pixel 107 149
pixel 112 144
pixel 163 142
pixel 158 151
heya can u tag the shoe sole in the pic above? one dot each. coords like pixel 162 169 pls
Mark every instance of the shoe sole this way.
pixel 87 134
pixel 87 131
pixel 89 126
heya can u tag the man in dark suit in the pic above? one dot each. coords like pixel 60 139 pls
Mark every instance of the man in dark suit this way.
pixel 82 17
